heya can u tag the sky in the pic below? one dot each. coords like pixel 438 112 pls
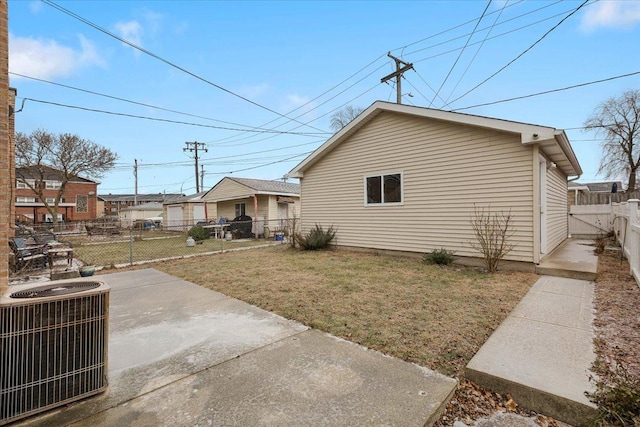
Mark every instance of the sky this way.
pixel 256 82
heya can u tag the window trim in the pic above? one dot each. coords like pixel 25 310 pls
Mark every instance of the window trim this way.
pixel 381 176
pixel 241 204
pixel 52 185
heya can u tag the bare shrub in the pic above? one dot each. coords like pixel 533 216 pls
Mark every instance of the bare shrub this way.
pixel 492 231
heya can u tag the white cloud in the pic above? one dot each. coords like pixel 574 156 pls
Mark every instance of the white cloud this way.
pixel 35 7
pixel 131 31
pixel 293 101
pixel 255 91
pixel 611 14
pixel 46 58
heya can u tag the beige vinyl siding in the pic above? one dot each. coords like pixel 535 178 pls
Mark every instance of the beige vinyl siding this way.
pixel 446 169
pixel 212 211
pixel 557 220
pixel 229 189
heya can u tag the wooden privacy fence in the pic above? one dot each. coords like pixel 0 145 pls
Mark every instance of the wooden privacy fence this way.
pixel 627 230
pixel 603 198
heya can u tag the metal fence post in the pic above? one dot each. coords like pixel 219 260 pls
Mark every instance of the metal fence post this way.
pixel 131 246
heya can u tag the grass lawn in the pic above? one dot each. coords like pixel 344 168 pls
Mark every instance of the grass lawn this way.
pixel 435 316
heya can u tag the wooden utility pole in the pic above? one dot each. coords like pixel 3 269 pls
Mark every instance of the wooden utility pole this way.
pixel 398 75
pixel 135 175
pixel 194 147
pixel 202 177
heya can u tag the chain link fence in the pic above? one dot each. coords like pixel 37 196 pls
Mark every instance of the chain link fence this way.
pixel 111 244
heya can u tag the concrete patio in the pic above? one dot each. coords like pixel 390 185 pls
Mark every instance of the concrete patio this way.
pixel 182 355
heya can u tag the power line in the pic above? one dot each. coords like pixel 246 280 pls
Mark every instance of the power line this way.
pixel 161 59
pixel 477 52
pixel 135 116
pixel 461 52
pixel 130 101
pixel 551 91
pixel 448 30
pixel 520 55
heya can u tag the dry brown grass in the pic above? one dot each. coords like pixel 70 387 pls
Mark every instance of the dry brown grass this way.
pixel 431 315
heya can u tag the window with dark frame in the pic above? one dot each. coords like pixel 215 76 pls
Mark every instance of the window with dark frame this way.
pixel 384 189
pixel 240 209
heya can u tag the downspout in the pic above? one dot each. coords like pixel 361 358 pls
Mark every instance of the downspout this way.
pixel 255 216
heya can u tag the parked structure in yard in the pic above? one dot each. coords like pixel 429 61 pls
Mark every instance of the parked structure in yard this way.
pixel 78 201
pixel 114 203
pixel 270 204
pixel 182 212
pixel 129 216
pixel 406 178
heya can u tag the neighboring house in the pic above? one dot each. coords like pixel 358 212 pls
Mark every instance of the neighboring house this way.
pixel 576 190
pixel 183 212
pixel 78 201
pixel 114 203
pixel 268 203
pixel 406 178
pixel 129 216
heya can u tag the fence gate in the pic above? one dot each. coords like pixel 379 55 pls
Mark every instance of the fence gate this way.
pixel 589 221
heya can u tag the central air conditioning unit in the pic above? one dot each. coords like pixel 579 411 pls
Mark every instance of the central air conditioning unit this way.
pixel 53 345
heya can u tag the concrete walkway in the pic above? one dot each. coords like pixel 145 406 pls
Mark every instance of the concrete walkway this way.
pixel 182 355
pixel 573 259
pixel 542 353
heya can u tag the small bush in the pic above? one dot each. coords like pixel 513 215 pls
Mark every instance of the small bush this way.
pixel 198 233
pixel 439 256
pixel 618 399
pixel 316 238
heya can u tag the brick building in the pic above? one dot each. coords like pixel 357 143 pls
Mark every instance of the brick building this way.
pixel 78 201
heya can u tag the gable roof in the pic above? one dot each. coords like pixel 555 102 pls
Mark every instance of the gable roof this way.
pixel 47 173
pixel 553 142
pixel 261 186
pixel 196 197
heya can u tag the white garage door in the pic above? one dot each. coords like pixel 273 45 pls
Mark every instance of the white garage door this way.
pixel 199 214
pixel 174 218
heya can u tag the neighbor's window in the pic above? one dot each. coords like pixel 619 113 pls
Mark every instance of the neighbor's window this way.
pixel 240 209
pixel 52 185
pixel 25 199
pixel 384 189
pixel 82 203
pixel 50 200
pixel 21 184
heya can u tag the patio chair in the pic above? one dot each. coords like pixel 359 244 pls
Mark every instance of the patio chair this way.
pixel 55 249
pixel 27 256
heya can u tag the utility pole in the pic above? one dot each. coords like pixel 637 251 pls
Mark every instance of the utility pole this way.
pixel 202 177
pixel 194 147
pixel 135 175
pixel 398 75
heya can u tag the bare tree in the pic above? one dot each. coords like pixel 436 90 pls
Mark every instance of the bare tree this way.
pixel 618 120
pixel 41 153
pixel 343 117
pixel 492 231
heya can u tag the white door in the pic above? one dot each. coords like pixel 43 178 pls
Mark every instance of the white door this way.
pixel 283 213
pixel 198 213
pixel 174 218
pixel 543 204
